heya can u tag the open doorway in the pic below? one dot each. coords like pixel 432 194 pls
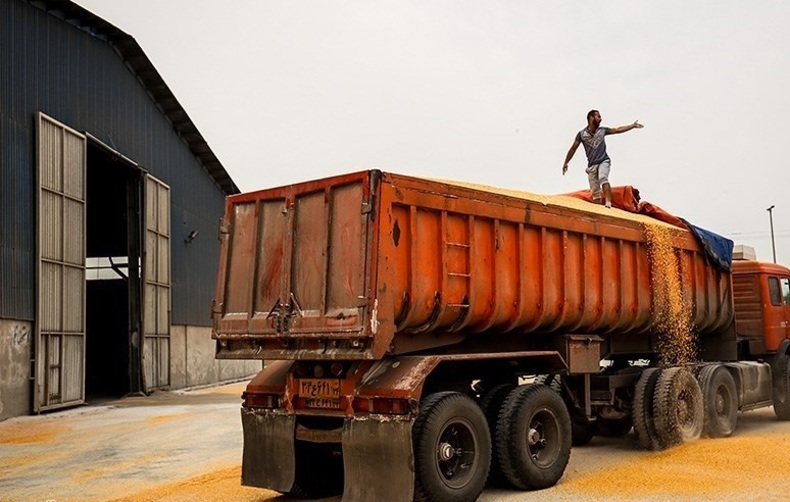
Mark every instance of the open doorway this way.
pixel 113 250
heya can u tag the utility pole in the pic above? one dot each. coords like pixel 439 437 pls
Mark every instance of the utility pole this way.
pixel 771 219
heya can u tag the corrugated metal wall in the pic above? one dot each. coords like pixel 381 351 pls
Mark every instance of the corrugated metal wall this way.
pixel 49 65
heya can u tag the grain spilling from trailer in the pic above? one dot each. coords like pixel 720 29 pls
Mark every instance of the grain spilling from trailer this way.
pixel 671 303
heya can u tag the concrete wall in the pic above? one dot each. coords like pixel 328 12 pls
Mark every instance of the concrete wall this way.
pixel 192 360
pixel 192 364
pixel 16 340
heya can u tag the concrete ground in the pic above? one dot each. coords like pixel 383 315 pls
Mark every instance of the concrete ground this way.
pixel 167 446
pixel 186 446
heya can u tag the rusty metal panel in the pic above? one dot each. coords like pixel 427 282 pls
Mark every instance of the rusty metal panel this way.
pixel 583 353
pixel 273 230
pixel 295 270
pixel 309 270
pixel 241 252
pixel 471 261
pixel 401 377
pixel 346 248
pixel 430 263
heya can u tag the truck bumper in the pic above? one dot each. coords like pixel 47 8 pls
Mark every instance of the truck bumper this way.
pixel 377 455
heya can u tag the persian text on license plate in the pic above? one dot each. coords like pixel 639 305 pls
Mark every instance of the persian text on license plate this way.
pixel 323 403
pixel 319 387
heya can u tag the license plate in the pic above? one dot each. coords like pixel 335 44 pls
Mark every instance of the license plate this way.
pixel 323 403
pixel 319 387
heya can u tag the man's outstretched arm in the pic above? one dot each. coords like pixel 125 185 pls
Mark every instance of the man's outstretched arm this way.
pixel 569 156
pixel 625 128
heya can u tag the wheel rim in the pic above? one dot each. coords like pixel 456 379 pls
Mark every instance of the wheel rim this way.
pixel 543 437
pixel 689 406
pixel 686 410
pixel 456 453
pixel 724 403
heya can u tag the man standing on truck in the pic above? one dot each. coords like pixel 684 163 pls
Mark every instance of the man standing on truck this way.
pixel 598 162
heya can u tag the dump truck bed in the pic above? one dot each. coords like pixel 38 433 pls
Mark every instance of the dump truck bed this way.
pixel 371 263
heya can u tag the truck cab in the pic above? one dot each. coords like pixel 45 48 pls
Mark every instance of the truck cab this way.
pixel 762 305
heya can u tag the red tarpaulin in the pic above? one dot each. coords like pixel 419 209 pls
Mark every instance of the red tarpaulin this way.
pixel 627 199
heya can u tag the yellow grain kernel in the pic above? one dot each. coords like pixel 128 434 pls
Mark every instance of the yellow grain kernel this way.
pixel 671 306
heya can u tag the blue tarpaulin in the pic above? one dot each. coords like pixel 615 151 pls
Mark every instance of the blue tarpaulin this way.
pixel 717 248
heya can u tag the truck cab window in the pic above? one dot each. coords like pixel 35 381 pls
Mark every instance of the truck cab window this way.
pixel 786 290
pixel 774 291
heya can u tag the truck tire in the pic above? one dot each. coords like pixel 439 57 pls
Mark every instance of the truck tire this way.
pixel 720 401
pixel 582 430
pixel 552 381
pixel 642 410
pixel 678 410
pixel 533 437
pixel 452 448
pixel 781 389
pixel 491 404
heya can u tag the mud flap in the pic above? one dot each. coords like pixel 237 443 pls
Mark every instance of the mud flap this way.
pixel 269 459
pixel 378 459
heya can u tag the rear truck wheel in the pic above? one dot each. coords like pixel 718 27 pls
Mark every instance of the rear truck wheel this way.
pixel 533 437
pixel 781 389
pixel 642 409
pixel 491 404
pixel 720 401
pixel 677 407
pixel 552 381
pixel 582 431
pixel 452 449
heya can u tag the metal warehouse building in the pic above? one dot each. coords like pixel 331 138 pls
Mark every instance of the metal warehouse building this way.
pixel 110 201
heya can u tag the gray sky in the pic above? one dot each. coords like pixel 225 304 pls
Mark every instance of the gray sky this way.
pixel 491 92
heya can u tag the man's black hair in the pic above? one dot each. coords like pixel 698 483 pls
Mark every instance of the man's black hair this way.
pixel 591 113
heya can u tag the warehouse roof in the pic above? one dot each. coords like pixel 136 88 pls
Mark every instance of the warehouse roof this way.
pixel 135 59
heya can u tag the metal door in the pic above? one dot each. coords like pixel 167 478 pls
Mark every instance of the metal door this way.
pixel 156 285
pixel 60 309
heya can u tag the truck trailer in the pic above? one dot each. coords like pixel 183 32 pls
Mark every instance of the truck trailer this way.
pixel 422 338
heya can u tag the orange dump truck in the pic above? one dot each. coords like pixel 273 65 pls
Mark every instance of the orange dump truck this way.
pixel 425 337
